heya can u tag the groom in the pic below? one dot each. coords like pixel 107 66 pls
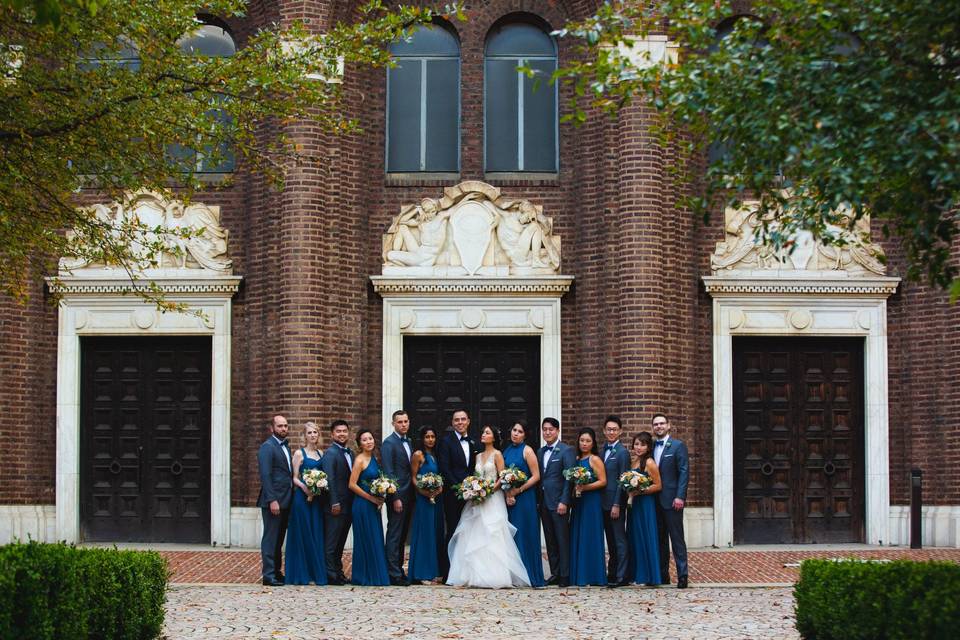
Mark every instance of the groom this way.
pixel 456 457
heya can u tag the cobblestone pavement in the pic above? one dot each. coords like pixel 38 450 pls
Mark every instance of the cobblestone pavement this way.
pixel 735 566
pixel 368 613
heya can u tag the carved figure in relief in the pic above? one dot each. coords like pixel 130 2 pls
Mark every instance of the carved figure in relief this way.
pixel 209 246
pixel 525 235
pixel 419 234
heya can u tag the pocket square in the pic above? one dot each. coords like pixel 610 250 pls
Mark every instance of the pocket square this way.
pixel 668 455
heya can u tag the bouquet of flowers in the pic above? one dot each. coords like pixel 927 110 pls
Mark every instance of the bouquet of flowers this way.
pixel 512 477
pixel 633 481
pixel 316 481
pixel 474 488
pixel 430 482
pixel 579 476
pixel 383 486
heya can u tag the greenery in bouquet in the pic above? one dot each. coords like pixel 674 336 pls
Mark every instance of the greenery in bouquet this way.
pixel 512 477
pixel 430 482
pixel 475 489
pixel 316 481
pixel 383 486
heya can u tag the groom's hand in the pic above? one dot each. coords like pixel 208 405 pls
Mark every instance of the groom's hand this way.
pixel 398 506
pixel 615 512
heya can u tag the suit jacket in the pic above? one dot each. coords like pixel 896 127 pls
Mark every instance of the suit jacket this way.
pixel 616 464
pixel 554 488
pixel 276 478
pixel 334 464
pixel 453 468
pixel 393 459
pixel 674 472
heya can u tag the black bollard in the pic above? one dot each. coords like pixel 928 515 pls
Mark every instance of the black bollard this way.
pixel 916 508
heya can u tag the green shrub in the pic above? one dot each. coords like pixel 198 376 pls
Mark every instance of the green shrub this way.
pixel 856 599
pixel 58 591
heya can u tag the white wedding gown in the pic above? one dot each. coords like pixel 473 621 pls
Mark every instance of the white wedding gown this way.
pixel 482 550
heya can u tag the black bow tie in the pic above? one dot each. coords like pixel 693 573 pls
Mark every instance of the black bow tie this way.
pixel 658 443
pixel 404 440
pixel 284 443
pixel 464 439
pixel 550 448
pixel 611 447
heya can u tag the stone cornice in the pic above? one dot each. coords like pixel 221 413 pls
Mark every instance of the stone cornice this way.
pixel 224 286
pixel 535 286
pixel 719 286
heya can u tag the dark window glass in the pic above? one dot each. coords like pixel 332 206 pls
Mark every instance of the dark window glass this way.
pixel 423 103
pixel 520 113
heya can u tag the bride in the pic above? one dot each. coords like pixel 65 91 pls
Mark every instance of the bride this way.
pixel 482 550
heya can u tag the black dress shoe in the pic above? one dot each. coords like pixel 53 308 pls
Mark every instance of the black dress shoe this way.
pixel 682 582
pixel 614 585
pixel 399 582
pixel 334 581
pixel 552 581
pixel 281 577
pixel 563 583
pixel 270 582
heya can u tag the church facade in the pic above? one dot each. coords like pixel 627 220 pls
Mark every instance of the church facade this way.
pixel 470 249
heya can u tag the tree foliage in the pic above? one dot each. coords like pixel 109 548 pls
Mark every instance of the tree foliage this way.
pixel 96 99
pixel 810 106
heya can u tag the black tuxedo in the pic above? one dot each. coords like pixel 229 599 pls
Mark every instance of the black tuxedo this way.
pixel 454 467
pixel 276 484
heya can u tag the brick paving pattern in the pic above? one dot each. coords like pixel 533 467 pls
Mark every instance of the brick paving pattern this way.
pixel 367 613
pixel 706 567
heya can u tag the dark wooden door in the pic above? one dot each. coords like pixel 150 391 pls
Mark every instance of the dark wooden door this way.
pixel 798 440
pixel 497 380
pixel 145 439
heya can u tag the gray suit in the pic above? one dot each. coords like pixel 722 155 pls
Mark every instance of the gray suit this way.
pixel 554 489
pixel 674 474
pixel 276 483
pixel 615 531
pixel 336 528
pixel 396 464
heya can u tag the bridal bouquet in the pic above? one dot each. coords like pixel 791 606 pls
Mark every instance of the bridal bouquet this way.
pixel 474 488
pixel 430 482
pixel 633 481
pixel 383 486
pixel 316 481
pixel 512 477
pixel 578 476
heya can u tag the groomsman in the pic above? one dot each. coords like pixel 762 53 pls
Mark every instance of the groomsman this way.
pixel 555 500
pixel 671 456
pixel 337 462
pixel 456 457
pixel 395 454
pixel 276 492
pixel 616 460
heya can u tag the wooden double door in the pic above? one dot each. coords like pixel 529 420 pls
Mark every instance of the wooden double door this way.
pixel 798 440
pixel 496 379
pixel 145 439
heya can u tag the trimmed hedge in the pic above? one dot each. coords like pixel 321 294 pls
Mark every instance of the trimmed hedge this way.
pixel 59 591
pixel 854 599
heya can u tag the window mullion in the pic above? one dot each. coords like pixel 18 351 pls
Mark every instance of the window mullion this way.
pixel 520 116
pixel 423 115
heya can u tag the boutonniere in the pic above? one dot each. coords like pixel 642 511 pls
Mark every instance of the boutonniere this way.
pixel 668 444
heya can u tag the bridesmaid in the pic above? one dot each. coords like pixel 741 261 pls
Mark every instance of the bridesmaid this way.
pixel 522 503
pixel 642 521
pixel 587 566
pixel 426 537
pixel 369 556
pixel 306 562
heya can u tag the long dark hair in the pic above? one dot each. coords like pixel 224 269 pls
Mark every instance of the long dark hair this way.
pixel 523 425
pixel 375 452
pixel 423 433
pixel 646 438
pixel 593 437
pixel 496 436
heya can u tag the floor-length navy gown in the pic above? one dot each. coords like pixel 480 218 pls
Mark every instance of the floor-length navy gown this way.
pixel 426 532
pixel 523 515
pixel 369 556
pixel 306 561
pixel 642 536
pixel 587 566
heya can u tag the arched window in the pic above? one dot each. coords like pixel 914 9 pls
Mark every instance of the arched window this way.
pixel 520 120
pixel 423 103
pixel 212 41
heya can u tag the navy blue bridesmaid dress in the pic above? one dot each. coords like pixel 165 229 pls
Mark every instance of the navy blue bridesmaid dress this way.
pixel 642 536
pixel 306 561
pixel 369 556
pixel 426 532
pixel 523 515
pixel 587 566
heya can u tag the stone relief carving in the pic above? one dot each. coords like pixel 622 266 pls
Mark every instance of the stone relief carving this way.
pixel 205 249
pixel 741 250
pixel 472 230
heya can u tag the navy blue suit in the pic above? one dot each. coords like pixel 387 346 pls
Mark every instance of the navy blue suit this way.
pixel 615 531
pixel 276 484
pixel 396 464
pixel 554 489
pixel 336 527
pixel 454 467
pixel 674 474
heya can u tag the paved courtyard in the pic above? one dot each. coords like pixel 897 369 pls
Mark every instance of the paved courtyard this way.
pixel 365 613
